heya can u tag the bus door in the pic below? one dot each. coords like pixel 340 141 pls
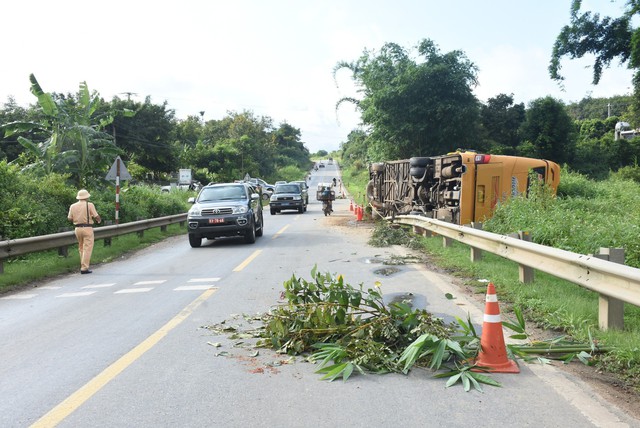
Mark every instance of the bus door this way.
pixel 488 191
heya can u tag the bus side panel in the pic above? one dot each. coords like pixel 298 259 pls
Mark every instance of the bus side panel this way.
pixel 489 190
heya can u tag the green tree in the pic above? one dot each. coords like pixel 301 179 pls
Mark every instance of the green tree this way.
pixel 10 148
pixel 355 148
pixel 148 136
pixel 501 121
pixel 414 108
pixel 600 108
pixel 289 148
pixel 603 38
pixel 69 138
pixel 548 131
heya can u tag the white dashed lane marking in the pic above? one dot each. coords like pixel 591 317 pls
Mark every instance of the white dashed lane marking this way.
pixel 77 294
pixel 193 288
pixel 133 290
pixel 160 281
pixel 19 297
pixel 93 288
pixel 100 285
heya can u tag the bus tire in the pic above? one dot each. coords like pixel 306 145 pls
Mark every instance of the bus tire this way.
pixel 377 167
pixel 419 162
pixel 417 171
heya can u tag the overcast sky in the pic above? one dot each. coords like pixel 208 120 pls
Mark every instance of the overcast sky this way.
pixel 275 57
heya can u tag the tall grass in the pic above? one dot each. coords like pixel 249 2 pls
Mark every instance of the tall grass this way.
pixel 355 179
pixel 550 303
pixel 585 216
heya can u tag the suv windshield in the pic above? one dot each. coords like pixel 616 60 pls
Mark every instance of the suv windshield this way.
pixel 287 188
pixel 222 193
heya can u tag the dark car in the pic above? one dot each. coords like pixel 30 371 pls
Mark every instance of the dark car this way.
pixel 287 196
pixel 227 209
pixel 305 190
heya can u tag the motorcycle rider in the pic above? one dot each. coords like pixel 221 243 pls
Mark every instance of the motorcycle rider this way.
pixel 326 198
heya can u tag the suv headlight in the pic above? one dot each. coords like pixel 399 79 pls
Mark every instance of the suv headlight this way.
pixel 273 197
pixel 240 209
pixel 194 211
pixel 297 197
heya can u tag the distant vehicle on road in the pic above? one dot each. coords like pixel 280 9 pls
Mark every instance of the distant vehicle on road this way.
pixel 267 189
pixel 287 196
pixel 305 190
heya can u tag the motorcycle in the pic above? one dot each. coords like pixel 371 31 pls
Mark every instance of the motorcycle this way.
pixel 327 207
pixel 326 195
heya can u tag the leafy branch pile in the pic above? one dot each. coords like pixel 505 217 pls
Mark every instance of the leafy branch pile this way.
pixel 346 329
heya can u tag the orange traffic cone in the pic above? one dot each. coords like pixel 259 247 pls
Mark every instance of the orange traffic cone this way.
pixel 493 352
pixel 351 206
pixel 359 213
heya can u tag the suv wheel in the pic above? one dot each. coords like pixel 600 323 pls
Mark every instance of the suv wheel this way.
pixel 273 211
pixel 194 241
pixel 260 231
pixel 250 236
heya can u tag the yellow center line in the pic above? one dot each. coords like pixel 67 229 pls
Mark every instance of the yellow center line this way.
pixel 248 260
pixel 75 400
pixel 280 232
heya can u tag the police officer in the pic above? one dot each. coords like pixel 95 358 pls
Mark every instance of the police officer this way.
pixel 82 214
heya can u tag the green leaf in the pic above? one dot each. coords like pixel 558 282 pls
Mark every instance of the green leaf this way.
pixel 519 336
pixel 333 371
pixel 484 379
pixel 44 100
pixel 511 326
pixel 453 379
pixel 347 371
pixel 465 381
pixel 438 355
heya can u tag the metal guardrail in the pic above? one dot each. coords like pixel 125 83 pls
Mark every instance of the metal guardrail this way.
pixel 608 279
pixel 17 247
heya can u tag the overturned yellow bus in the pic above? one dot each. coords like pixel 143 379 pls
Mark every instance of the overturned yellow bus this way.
pixel 460 187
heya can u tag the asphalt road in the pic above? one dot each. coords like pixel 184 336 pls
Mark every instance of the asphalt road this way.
pixel 127 346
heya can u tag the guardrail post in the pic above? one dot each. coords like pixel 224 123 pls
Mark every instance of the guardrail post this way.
pixel 107 241
pixel 610 310
pixel 526 273
pixel 63 251
pixel 163 228
pixel 140 233
pixel 476 253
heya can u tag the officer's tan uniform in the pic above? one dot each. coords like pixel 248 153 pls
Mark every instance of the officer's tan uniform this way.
pixel 82 214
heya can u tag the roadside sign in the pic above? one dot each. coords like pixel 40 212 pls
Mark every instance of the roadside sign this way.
pixel 118 169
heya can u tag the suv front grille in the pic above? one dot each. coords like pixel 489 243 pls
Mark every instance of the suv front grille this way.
pixel 216 211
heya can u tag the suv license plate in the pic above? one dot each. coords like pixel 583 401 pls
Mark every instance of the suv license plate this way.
pixel 216 220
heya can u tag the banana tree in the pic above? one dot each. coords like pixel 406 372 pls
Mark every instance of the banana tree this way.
pixel 70 137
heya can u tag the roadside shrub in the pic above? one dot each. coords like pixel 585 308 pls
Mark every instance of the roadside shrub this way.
pixel 609 217
pixel 36 205
pixel 628 173
pixel 573 184
pixel 290 173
